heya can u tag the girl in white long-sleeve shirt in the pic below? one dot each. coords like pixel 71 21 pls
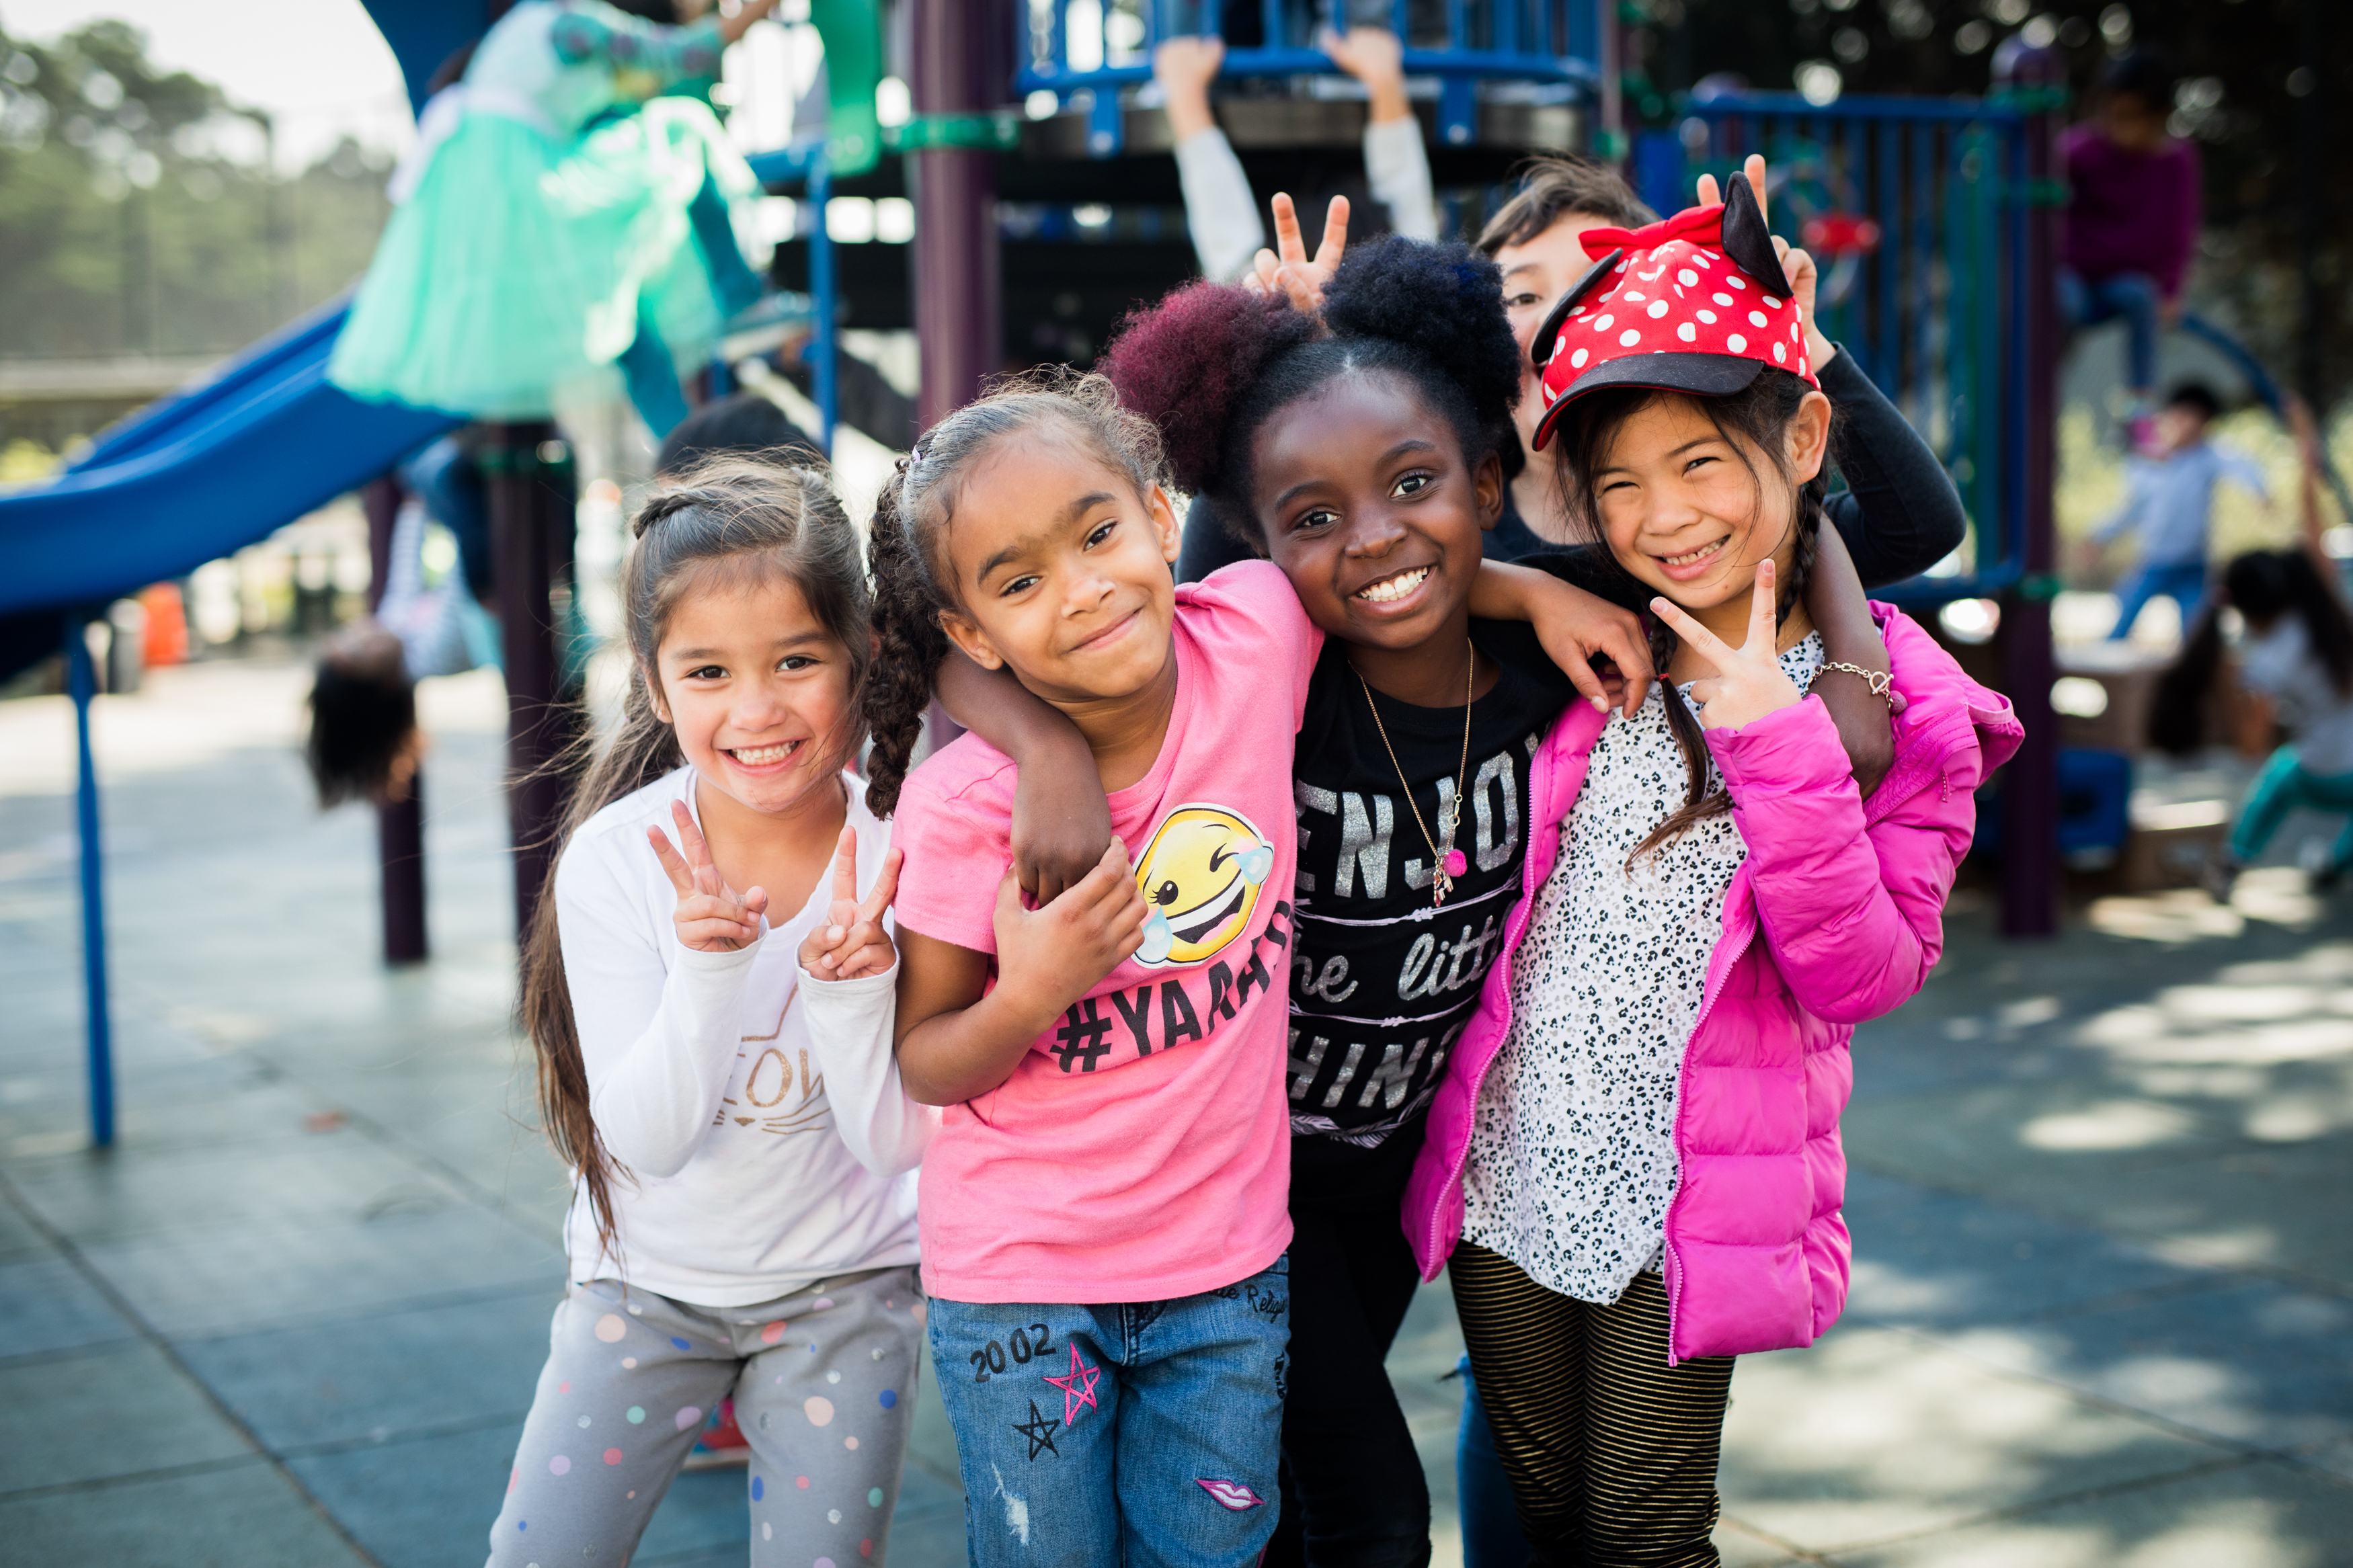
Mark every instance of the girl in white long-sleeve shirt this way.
pixel 716 1064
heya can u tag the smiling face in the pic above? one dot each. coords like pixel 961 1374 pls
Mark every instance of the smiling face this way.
pixel 1535 275
pixel 1201 878
pixel 756 689
pixel 1060 570
pixel 1690 509
pixel 1370 510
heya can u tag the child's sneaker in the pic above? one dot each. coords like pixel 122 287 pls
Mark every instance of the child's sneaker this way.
pixel 2322 870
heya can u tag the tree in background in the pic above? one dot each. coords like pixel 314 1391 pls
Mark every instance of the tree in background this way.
pixel 140 212
pixel 2249 96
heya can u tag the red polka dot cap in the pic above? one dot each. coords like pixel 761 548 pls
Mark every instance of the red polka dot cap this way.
pixel 1694 303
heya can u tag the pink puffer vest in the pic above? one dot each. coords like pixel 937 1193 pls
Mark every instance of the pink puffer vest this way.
pixel 1848 897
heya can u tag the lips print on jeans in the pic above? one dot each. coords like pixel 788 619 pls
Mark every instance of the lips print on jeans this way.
pixel 1229 1494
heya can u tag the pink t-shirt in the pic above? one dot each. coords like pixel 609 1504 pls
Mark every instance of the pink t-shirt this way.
pixel 1141 1151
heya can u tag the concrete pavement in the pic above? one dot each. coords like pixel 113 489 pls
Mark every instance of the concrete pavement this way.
pixel 2103 1302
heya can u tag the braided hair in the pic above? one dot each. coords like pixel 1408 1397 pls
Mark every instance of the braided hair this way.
pixel 1211 363
pixel 725 522
pixel 906 545
pixel 1758 415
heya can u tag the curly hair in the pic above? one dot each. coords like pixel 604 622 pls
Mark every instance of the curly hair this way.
pixel 1210 364
pixel 914 583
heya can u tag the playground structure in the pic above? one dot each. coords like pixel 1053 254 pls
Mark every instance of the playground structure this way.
pixel 1047 206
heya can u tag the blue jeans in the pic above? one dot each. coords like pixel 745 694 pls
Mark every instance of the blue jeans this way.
pixel 1146 1434
pixel 2182 581
pixel 2131 296
pixel 2280 788
pixel 1490 1520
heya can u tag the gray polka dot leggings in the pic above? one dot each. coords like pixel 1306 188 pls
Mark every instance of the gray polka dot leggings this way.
pixel 824 1384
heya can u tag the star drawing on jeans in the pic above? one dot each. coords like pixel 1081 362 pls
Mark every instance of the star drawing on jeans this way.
pixel 1077 1388
pixel 1039 1430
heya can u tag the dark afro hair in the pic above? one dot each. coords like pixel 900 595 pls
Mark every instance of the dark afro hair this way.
pixel 1210 364
pixel 1187 362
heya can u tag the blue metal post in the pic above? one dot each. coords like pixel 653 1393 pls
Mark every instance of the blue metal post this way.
pixel 82 682
pixel 823 369
pixel 1888 156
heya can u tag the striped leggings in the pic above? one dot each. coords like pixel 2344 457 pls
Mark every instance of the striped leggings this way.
pixel 1611 1453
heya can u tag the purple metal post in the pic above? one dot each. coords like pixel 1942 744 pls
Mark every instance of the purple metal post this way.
pixel 956 274
pixel 2030 872
pixel 399 824
pixel 520 548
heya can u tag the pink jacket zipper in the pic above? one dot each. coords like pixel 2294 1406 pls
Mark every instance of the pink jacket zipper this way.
pixel 1539 784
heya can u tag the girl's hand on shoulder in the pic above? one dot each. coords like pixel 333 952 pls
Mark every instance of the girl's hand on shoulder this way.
pixel 851 943
pixel 1062 823
pixel 1048 957
pixel 1750 681
pixel 712 917
pixel 1574 626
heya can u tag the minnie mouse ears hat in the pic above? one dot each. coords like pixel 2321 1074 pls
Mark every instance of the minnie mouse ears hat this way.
pixel 1694 303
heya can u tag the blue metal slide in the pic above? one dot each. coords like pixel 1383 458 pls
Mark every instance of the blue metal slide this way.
pixel 201 473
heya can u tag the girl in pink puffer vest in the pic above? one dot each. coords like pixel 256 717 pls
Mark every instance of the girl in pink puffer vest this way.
pixel 1633 1169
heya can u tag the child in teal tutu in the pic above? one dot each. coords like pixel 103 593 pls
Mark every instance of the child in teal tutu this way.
pixel 548 237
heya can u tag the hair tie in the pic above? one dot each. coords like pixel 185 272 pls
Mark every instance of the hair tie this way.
pixel 663 507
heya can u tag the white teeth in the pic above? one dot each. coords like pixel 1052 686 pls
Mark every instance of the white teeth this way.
pixel 1700 554
pixel 1397 587
pixel 761 756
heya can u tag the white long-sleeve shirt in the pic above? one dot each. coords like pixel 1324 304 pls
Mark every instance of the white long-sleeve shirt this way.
pixel 759 1113
pixel 1221 214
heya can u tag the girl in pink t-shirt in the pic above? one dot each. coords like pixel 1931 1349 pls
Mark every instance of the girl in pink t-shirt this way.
pixel 1104 1209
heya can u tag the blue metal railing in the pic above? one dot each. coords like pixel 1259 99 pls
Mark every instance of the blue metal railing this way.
pixel 1933 311
pixel 1460 42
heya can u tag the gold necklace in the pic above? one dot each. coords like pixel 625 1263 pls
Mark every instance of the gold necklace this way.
pixel 1447 862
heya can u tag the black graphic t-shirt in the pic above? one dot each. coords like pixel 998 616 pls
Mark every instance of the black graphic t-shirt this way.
pixel 1383 982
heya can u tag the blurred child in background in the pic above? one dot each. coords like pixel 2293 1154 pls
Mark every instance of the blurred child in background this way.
pixel 2169 502
pixel 544 238
pixel 2132 217
pixel 1219 211
pixel 2295 666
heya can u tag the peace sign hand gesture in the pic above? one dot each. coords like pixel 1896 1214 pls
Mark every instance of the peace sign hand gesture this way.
pixel 1750 681
pixel 1290 270
pixel 851 943
pixel 712 917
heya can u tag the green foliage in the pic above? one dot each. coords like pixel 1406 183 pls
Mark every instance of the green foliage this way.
pixel 139 212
